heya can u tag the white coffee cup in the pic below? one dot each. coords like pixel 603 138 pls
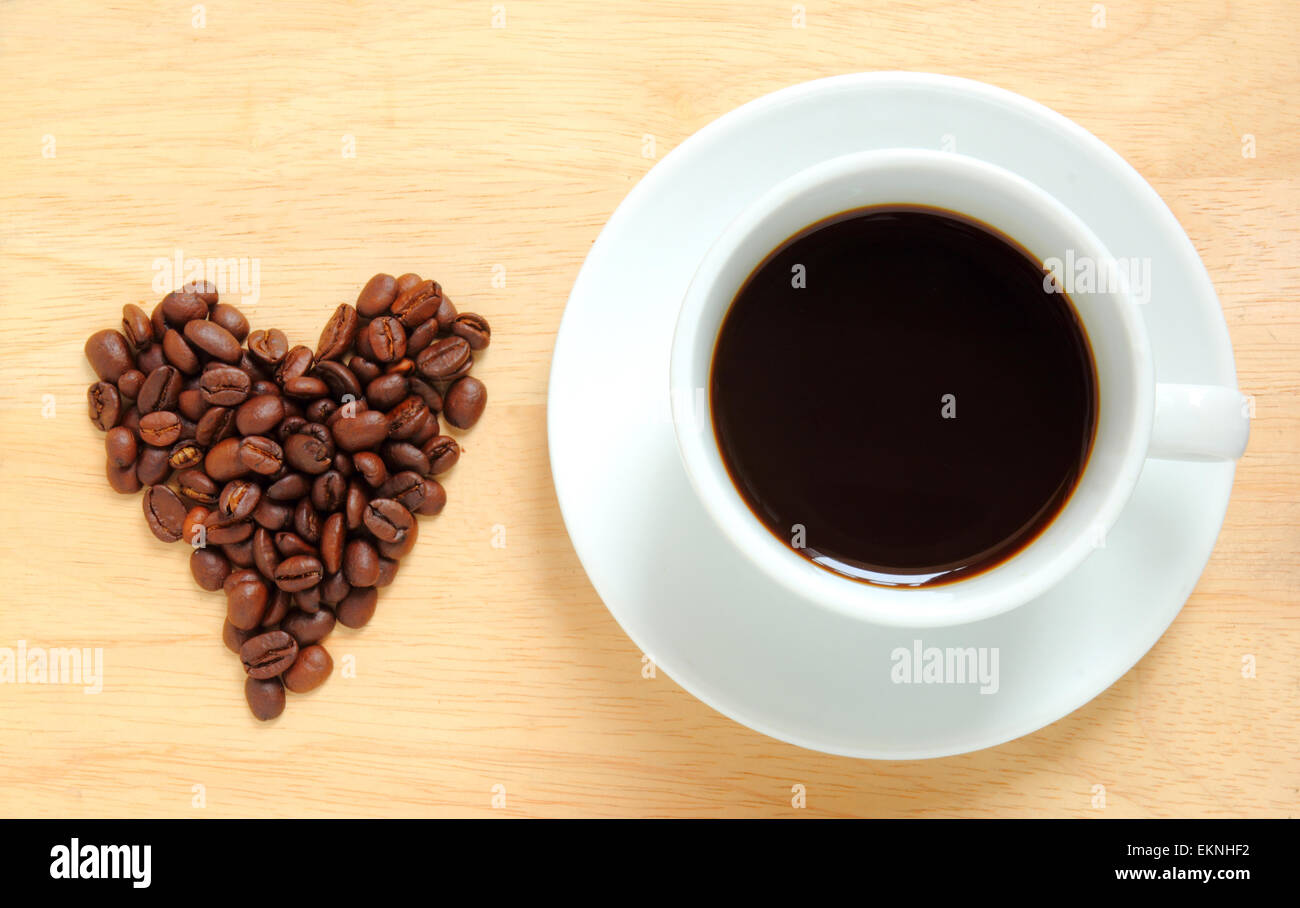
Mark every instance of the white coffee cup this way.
pixel 1136 417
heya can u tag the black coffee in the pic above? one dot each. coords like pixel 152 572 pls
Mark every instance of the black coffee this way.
pixel 899 399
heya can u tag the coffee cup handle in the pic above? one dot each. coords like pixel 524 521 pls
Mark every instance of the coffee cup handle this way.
pixel 1199 422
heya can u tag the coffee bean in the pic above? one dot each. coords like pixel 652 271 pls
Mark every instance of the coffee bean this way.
pixel 230 318
pixel 290 544
pixel 377 295
pixel 198 487
pixel 204 290
pixel 261 455
pixel 465 402
pixel 164 513
pixel 151 466
pixel 306 522
pixel 333 536
pixel 279 606
pixel 399 548
pixel 328 491
pixel 296 363
pixel 233 637
pixel 220 532
pixel 222 461
pixel 371 467
pixel 387 339
pixel 160 429
pixel 268 347
pixel 194 521
pixel 444 359
pixel 246 600
pixel 272 514
pixel 420 337
pixel 307 453
pixel 354 507
pixel 210 569
pixel 446 314
pixel 214 340
pixel 308 627
pixel 161 390
pixel 298 573
pixel 365 370
pixel 180 308
pixel 442 451
pixel 240 555
pixel 238 500
pixel 179 353
pixel 151 357
pixel 136 326
pixel 361 432
pixel 407 417
pixel 417 305
pixel 339 334
pixel 268 655
pixel 358 607
pixel 341 381
pixel 305 386
pixel 217 424
pixel 387 520
pixel 130 382
pixel 185 454
pixel 474 328
pixel 109 354
pixel 104 404
pixel 333 588
pixel 387 391
pixel 265 697
pixel 360 563
pixel 387 571
pixel 121 447
pixel 309 670
pixel 307 600
pixel 225 386
pixel 123 480
pixel 289 487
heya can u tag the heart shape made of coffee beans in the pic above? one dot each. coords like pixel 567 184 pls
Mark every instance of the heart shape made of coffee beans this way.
pixel 296 476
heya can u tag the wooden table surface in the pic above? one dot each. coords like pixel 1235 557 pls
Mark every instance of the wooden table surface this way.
pixel 485 145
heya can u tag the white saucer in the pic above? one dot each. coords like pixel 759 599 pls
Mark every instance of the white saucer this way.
pixel 693 604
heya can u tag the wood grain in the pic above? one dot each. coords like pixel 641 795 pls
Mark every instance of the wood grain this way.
pixel 130 133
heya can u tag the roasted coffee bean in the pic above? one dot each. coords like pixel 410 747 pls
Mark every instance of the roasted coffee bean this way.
pixel 124 480
pixel 341 382
pixel 268 655
pixel 418 304
pixel 164 512
pixel 198 487
pixel 191 404
pixel 161 390
pixel 185 454
pixel 371 467
pixel 446 314
pixel 442 451
pixel 180 308
pixel 296 363
pixel 265 555
pixel 240 554
pixel 406 281
pixel 339 334
pixel 328 491
pixel 465 402
pixel 225 386
pixel 204 290
pixel 399 548
pixel 109 354
pixel 276 610
pixel 194 520
pixel 435 498
pixel 131 419
pixel 387 339
pixel 361 432
pixel 310 670
pixel 306 522
pixel 210 569
pixel 321 409
pixel 151 357
pixel 406 487
pixel 308 627
pixel 406 419
pixel 136 325
pixel 298 573
pixel 307 453
pixel 130 382
pixel 343 463
pixel 290 544
pixel 305 387
pixel 217 424
pixel 222 461
pixel 233 637
pixel 360 563
pixel 365 370
pixel 289 487
pixel 214 340
pixel 268 347
pixel 307 600
pixel 474 328
pixel 261 455
pixel 121 446
pixel 357 607
pixel 238 500
pixel 444 358
pixel 387 571
pixel 247 596
pixel 265 697
pixel 230 318
pixel 333 588
pixel 104 404
pixel 354 507
pixel 160 429
pixel 426 392
pixel 420 337
pixel 272 514
pixel 291 424
pixel 179 353
pixel 376 296
pixel 151 466
pixel 259 415
pixel 333 536
pixel 388 520
pixel 219 532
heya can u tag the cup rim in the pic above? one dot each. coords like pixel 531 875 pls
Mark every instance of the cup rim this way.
pixel 943 605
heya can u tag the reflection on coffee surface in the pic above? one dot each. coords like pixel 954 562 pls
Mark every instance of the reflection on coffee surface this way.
pixel 899 398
